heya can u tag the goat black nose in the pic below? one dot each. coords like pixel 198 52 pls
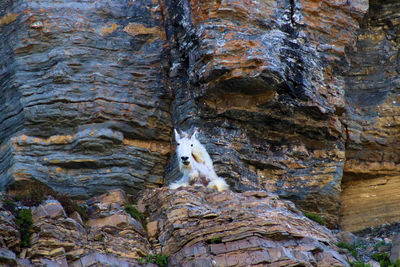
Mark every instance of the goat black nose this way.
pixel 185 158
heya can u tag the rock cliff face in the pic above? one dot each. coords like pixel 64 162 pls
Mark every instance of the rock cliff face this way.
pixel 84 99
pixel 294 97
pixel 371 172
pixel 262 80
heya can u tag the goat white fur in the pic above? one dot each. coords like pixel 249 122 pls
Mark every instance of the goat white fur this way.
pixel 195 163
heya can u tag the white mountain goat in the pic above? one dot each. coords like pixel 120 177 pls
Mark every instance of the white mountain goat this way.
pixel 195 163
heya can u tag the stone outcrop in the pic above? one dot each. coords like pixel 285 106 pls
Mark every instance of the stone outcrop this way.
pixel 55 236
pixel 193 226
pixel 9 234
pixel 7 257
pixel 113 231
pixel 109 234
pixel 200 227
pixel 371 173
pixel 263 79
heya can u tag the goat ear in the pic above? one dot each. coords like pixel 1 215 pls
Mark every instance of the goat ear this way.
pixel 177 136
pixel 196 132
pixel 194 136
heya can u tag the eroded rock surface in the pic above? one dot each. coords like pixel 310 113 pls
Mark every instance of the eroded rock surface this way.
pixel 9 234
pixel 292 97
pixel 201 227
pixel 264 80
pixel 109 236
pixel 84 83
pixel 371 173
pixel 193 226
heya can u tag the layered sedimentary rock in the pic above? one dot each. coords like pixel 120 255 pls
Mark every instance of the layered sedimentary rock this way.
pixel 110 234
pixel 11 116
pixel 193 226
pixel 9 234
pixel 113 231
pixel 372 174
pixel 290 96
pixel 84 104
pixel 55 235
pixel 262 78
pixel 201 227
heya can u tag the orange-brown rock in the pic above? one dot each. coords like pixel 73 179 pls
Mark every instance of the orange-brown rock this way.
pixel 371 177
pixel 112 231
pixel 249 74
pixel 107 203
pixel 119 235
pixel 201 227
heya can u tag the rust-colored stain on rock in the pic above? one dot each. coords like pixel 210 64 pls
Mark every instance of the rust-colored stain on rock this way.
pixel 160 147
pixel 108 29
pixel 137 29
pixel 7 19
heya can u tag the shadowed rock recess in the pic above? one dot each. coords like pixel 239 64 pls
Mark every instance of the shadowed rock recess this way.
pixel 298 98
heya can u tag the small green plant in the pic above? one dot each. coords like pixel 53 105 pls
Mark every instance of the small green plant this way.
pixel 362 246
pixel 131 210
pixel 380 244
pixel 215 240
pixel 352 248
pixel 384 260
pixel 24 222
pixel 314 217
pixel 159 259
pixel 360 264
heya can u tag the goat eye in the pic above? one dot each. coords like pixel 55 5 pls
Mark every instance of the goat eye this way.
pixel 191 145
pixel 178 144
